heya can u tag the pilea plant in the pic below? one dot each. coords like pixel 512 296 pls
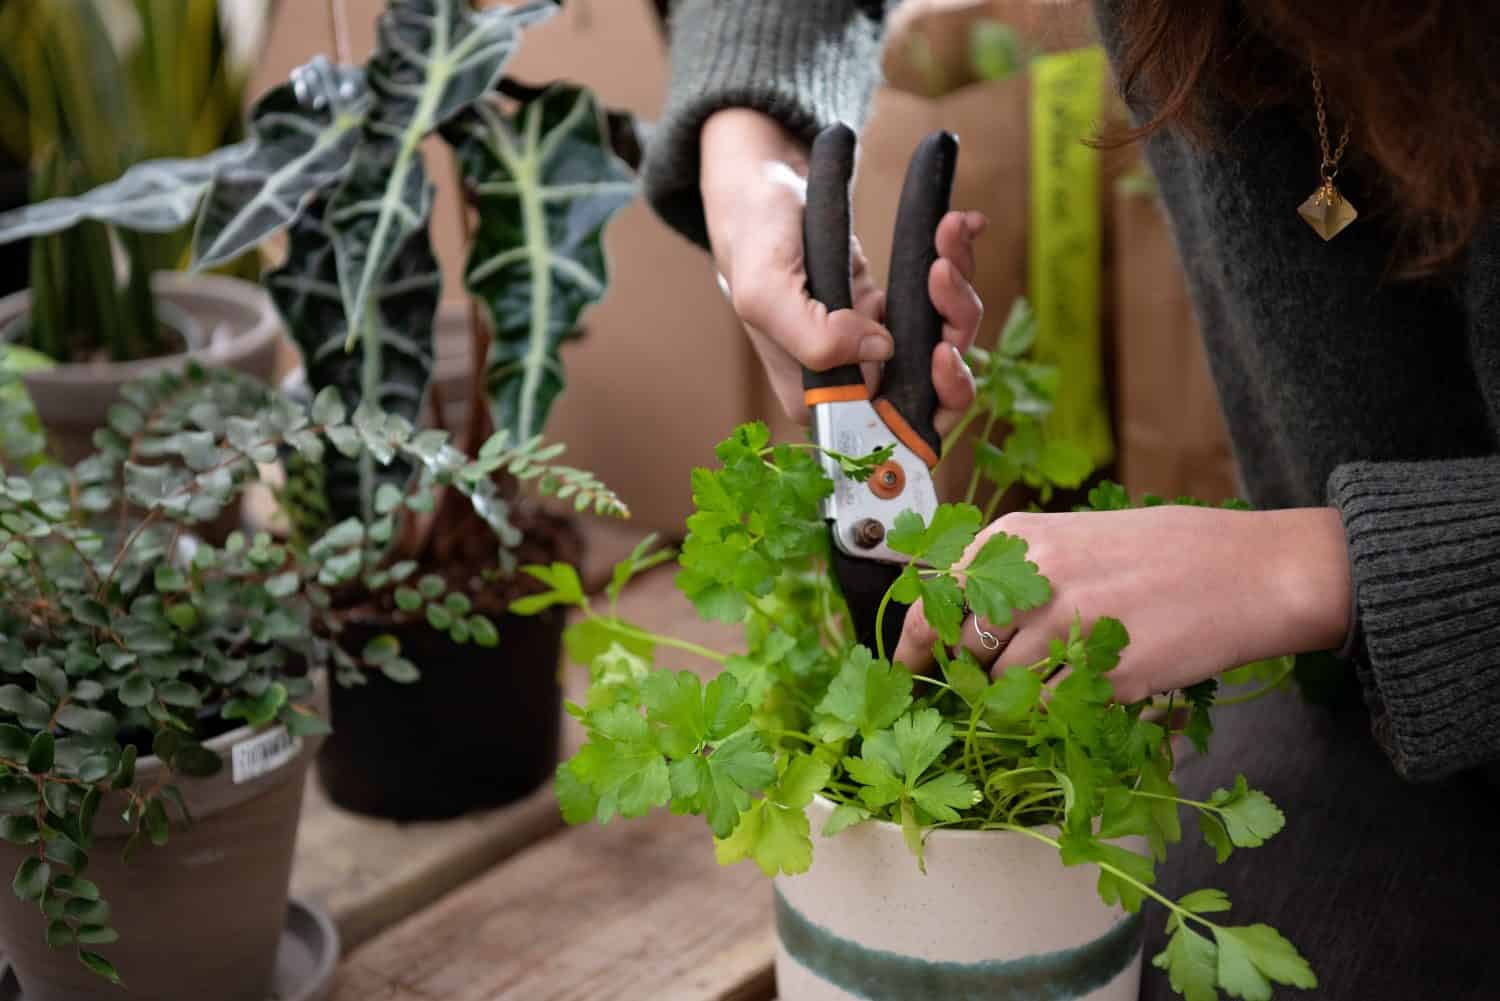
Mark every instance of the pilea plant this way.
pixel 122 634
pixel 806 712
pixel 335 162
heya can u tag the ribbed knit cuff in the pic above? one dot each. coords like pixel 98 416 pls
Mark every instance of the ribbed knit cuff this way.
pixel 1424 549
pixel 806 63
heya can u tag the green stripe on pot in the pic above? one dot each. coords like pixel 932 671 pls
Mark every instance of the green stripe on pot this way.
pixel 878 975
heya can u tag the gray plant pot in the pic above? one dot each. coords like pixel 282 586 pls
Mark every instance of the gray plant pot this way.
pixel 198 918
pixel 228 323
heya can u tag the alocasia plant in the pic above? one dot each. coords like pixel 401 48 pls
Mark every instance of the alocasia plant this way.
pixel 804 711
pixel 335 160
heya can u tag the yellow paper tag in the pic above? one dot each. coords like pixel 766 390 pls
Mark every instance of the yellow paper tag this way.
pixel 1065 233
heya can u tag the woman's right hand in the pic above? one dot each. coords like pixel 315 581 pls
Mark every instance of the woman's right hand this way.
pixel 753 181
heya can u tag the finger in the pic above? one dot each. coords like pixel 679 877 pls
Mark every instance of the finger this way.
pixel 955 387
pixel 984 641
pixel 784 375
pixel 914 649
pixel 958 303
pixel 955 238
pixel 779 307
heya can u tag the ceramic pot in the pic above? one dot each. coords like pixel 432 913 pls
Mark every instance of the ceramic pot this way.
pixel 479 729
pixel 996 916
pixel 225 322
pixel 200 917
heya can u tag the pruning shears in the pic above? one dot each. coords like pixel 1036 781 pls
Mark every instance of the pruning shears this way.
pixel 845 419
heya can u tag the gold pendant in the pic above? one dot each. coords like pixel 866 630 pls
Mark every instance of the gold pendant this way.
pixel 1327 211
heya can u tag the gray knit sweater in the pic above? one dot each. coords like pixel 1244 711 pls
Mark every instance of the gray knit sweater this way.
pixel 1340 384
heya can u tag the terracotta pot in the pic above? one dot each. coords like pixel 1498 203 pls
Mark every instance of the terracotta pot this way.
pixel 227 323
pixel 996 916
pixel 479 729
pixel 200 917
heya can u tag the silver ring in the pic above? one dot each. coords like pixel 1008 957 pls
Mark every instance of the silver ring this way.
pixel 987 639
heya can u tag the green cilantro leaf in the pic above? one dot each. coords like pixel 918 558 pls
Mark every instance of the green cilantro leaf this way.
pixel 941 542
pixel 1101 651
pixel 1249 816
pixel 1192 965
pixel 563 588
pixel 576 797
pixel 1001 581
pixel 1253 957
pixel 920 737
pixel 867 695
pixel 1012 697
pixel 774 831
pixel 844 816
pixel 945 795
pixel 1200 724
pixel 878 785
pixel 963 674
pixel 674 706
pixel 804 778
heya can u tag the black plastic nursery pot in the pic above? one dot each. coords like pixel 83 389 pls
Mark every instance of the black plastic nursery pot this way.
pixel 479 729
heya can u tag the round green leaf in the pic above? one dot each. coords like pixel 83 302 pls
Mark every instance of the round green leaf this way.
pixel 31 878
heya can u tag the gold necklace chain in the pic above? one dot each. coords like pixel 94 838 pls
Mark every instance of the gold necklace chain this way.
pixel 1326 210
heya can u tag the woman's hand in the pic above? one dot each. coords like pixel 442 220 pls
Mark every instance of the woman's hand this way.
pixel 753 180
pixel 1200 591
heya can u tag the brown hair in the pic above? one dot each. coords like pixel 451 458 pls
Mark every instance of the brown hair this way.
pixel 1413 79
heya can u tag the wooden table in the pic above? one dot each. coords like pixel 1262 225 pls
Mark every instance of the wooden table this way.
pixel 511 905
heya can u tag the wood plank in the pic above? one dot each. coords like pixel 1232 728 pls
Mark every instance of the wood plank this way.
pixel 370 874
pixel 618 913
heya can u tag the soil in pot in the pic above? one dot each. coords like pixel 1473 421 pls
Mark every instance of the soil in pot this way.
pixel 481 728
pixel 201 917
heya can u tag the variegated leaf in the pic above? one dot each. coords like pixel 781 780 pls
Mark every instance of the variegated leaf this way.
pixel 156 196
pixel 304 131
pixel 398 328
pixel 433 59
pixel 547 181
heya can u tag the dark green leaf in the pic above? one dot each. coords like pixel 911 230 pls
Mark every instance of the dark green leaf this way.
pixel 304 131
pixel 39 757
pixel 31 878
pixel 18 829
pixel 100 966
pixel 156 822
pixel 548 182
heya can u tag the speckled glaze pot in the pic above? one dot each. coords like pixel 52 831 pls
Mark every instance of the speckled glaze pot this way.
pixel 997 916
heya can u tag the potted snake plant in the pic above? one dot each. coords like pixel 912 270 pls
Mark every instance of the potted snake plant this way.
pixel 164 696
pixel 107 306
pixel 334 161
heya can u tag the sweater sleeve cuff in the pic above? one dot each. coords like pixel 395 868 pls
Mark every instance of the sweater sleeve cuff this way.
pixel 1424 550
pixel 806 63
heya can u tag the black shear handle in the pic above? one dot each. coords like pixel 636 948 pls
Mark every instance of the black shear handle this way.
pixel 916 325
pixel 827 225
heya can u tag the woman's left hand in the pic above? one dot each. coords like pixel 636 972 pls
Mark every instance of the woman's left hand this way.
pixel 1200 590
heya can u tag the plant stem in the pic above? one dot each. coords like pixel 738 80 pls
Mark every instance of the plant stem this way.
pixel 973 489
pixel 1267 689
pixel 656 638
pixel 1181 912
pixel 880 623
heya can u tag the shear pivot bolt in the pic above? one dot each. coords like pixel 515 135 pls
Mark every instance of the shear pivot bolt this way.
pixel 888 480
pixel 868 533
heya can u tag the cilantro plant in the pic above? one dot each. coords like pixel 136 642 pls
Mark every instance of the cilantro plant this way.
pixel 123 634
pixel 806 712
